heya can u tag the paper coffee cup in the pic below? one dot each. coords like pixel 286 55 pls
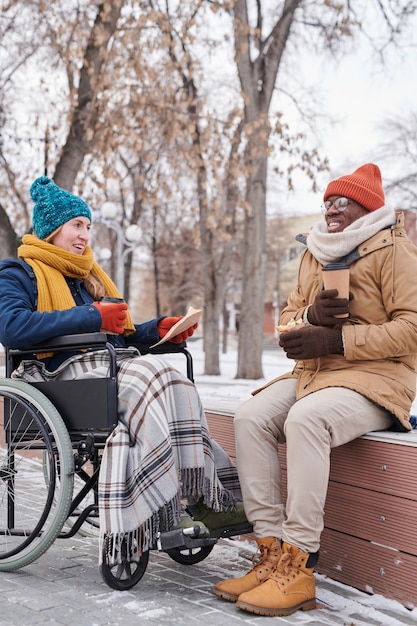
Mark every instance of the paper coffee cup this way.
pixel 337 277
pixel 110 300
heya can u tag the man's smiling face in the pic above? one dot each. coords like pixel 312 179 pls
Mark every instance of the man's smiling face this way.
pixel 337 219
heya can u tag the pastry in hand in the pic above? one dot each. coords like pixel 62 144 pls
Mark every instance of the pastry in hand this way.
pixel 292 325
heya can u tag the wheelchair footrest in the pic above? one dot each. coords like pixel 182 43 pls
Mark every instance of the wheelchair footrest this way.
pixel 185 538
pixel 233 531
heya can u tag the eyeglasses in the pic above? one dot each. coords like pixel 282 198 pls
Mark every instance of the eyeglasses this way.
pixel 340 204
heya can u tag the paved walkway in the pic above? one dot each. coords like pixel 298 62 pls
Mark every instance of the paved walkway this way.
pixel 64 587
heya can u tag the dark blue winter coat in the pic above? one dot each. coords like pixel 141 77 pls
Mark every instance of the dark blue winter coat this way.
pixel 21 325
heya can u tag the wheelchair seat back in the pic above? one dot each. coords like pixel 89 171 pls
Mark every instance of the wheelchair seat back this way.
pixel 84 404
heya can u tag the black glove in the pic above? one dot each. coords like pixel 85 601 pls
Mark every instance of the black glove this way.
pixel 311 342
pixel 325 306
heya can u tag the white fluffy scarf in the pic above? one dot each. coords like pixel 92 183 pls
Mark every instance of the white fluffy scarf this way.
pixel 330 247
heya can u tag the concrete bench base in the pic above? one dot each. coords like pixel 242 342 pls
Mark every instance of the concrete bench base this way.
pixel 369 540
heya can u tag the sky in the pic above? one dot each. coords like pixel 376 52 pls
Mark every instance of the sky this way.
pixel 356 89
pixel 360 93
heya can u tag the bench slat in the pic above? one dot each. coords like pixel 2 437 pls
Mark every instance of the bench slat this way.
pixel 368 567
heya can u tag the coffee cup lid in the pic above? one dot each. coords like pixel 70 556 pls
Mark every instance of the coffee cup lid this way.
pixel 111 300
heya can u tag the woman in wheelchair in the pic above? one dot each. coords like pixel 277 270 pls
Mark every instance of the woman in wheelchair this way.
pixel 160 454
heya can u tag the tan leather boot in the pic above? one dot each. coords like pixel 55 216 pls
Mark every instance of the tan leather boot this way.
pixel 264 561
pixel 290 587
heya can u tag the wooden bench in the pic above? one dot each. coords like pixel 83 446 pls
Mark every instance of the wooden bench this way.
pixel 369 541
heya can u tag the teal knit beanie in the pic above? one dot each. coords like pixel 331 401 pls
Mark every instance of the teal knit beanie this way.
pixel 54 206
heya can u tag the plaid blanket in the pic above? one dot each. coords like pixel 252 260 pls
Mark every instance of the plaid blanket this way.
pixel 159 453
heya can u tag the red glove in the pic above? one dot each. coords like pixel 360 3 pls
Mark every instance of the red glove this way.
pixel 113 317
pixel 168 322
pixel 311 342
pixel 325 306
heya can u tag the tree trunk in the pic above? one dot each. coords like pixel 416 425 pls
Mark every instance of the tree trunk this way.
pixel 8 239
pixel 216 253
pixel 212 311
pixel 84 117
pixel 213 285
pixel 225 329
pixel 253 278
pixel 257 78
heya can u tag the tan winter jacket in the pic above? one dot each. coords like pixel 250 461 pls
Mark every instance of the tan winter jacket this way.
pixel 380 337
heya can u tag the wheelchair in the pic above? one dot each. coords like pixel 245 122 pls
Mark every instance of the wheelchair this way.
pixel 52 435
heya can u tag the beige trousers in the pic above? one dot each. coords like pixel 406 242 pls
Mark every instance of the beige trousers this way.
pixel 310 427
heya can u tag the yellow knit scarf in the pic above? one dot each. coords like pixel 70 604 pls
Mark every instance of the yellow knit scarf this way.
pixel 51 264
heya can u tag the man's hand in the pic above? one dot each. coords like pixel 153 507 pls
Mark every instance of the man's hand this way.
pixel 113 317
pixel 325 306
pixel 168 322
pixel 311 342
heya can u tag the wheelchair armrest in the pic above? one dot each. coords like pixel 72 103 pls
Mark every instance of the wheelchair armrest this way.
pixel 164 348
pixel 63 343
pixel 167 348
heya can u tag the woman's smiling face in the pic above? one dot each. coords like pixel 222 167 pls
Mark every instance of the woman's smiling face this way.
pixel 73 236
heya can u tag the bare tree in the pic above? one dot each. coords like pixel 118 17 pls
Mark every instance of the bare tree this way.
pixel 259 53
pixel 8 239
pixel 399 152
pixel 136 129
pixel 216 190
pixel 17 47
pixel 85 113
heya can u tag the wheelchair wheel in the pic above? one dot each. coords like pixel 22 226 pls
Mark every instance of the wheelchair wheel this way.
pixel 126 574
pixel 189 556
pixel 32 511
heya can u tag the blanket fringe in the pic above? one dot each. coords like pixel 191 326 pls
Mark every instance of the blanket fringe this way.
pixel 116 547
pixel 129 546
pixel 196 486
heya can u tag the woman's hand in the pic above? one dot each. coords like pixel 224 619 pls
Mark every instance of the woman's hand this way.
pixel 168 322
pixel 113 316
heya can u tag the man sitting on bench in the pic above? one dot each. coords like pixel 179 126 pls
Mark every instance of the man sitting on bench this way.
pixel 355 372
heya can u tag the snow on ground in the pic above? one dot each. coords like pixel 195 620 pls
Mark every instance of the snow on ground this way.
pixel 347 605
pixel 230 391
pixel 343 600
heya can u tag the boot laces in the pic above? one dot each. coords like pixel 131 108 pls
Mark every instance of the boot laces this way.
pixel 260 556
pixel 266 557
pixel 286 568
pixel 285 565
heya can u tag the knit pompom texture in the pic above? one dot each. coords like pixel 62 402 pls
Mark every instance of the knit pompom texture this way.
pixel 364 186
pixel 54 206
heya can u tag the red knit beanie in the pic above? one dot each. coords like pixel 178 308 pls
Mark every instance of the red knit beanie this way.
pixel 364 186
